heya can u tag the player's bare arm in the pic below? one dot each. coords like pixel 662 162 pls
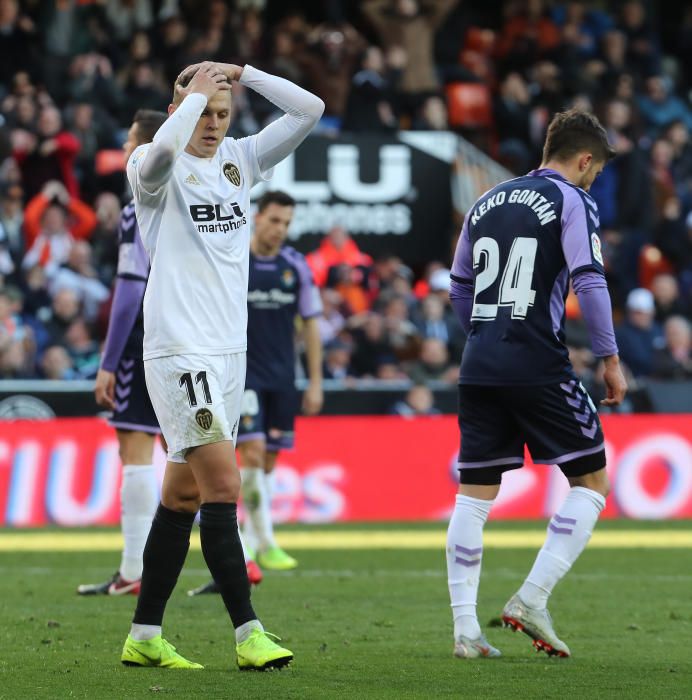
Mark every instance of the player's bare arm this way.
pixel 313 398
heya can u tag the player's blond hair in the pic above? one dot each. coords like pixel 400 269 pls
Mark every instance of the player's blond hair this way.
pixel 183 81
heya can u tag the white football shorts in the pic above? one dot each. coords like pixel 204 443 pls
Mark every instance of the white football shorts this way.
pixel 196 398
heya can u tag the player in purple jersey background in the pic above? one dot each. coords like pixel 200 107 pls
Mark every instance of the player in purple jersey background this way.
pixel 120 387
pixel 280 288
pixel 520 245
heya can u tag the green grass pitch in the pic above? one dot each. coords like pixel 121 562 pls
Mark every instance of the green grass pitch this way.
pixel 362 623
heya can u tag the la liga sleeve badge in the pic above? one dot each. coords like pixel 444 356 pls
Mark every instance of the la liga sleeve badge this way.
pixel 596 248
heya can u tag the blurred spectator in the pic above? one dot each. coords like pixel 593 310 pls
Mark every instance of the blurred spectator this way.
pixel 677 133
pixel 639 336
pixel 642 44
pixel 37 299
pixel 527 35
pixel 432 322
pixel 328 61
pixel 48 155
pixel 419 401
pixel 369 106
pixel 410 25
pixel 15 361
pixel 371 343
pixel 104 239
pixel 46 227
pixel 93 134
pixel 92 80
pixel 17 41
pixel 143 91
pixel 56 364
pixel 512 113
pixel 77 217
pixel 78 275
pixel 389 369
pixel 125 17
pixel 332 321
pixel 337 359
pixel 666 291
pixel 336 248
pixel 402 334
pixel 431 116
pixel 674 361
pixel 338 263
pixel 82 348
pixel 658 106
pixel 64 310
pixel 433 364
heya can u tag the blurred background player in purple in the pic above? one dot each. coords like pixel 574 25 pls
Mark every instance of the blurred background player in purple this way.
pixel 120 387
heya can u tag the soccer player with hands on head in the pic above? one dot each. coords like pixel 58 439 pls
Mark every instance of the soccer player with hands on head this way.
pixel 521 243
pixel 192 199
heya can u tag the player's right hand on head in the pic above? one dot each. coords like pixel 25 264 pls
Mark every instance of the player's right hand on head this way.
pixel 104 389
pixel 207 80
pixel 615 382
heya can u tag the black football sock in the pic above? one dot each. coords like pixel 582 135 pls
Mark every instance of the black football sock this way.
pixel 164 556
pixel 223 552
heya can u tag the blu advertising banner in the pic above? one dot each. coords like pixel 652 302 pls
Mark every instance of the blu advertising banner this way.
pixel 346 468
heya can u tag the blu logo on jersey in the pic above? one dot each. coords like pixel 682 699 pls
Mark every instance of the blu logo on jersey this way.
pixel 210 218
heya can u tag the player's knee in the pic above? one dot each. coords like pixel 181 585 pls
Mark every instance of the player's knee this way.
pixel 181 502
pixel 222 490
pixel 135 447
pixel 252 454
pixel 596 481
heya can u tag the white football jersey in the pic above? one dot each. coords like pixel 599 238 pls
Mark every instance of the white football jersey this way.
pixel 196 229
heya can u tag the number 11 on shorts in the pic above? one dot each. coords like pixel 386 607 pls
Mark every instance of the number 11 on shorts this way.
pixel 186 382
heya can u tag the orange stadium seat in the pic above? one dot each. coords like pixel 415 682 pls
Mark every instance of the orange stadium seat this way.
pixel 469 106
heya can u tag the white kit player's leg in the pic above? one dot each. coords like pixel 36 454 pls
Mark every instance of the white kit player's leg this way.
pixel 139 499
pixel 464 554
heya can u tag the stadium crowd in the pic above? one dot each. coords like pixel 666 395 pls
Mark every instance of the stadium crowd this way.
pixel 73 73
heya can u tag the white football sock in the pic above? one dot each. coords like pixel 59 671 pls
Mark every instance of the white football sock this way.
pixel 243 632
pixel 266 511
pixel 139 498
pixel 141 633
pixel 569 531
pixel 246 554
pixel 464 553
pixel 252 495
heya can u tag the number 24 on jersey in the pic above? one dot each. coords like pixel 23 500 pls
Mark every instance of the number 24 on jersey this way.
pixel 517 277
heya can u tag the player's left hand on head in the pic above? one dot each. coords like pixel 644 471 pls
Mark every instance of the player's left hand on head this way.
pixel 230 70
pixel 615 382
pixel 313 398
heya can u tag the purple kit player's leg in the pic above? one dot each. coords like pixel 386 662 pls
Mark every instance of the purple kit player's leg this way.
pixel 569 532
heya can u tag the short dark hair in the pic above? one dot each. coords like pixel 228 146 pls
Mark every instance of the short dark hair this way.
pixel 148 122
pixel 575 131
pixel 275 197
